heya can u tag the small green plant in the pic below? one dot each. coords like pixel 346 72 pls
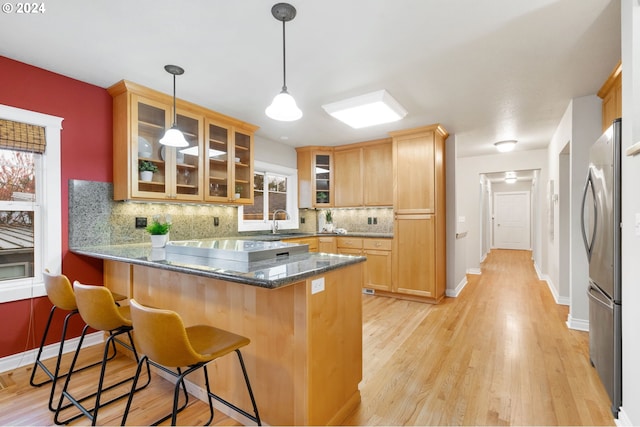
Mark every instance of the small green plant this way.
pixel 146 165
pixel 328 216
pixel 158 228
pixel 238 188
pixel 322 197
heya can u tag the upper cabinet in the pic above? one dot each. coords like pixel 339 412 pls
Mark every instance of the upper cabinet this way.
pixel 315 177
pixel 348 177
pixel 611 94
pixel 217 166
pixel 378 173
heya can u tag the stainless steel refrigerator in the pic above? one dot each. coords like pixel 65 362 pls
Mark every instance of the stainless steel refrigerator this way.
pixel 601 231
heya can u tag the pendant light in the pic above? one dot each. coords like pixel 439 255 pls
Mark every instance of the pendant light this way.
pixel 283 107
pixel 173 137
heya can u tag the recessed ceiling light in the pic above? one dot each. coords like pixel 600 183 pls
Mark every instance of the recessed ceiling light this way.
pixel 371 109
pixel 505 146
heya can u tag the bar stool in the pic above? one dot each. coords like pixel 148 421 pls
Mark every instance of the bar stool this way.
pixel 61 296
pixel 99 311
pixel 166 343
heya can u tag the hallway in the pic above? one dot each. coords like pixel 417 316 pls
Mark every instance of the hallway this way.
pixel 499 354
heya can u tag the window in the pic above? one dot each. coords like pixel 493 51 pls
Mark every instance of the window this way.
pixel 274 188
pixel 30 207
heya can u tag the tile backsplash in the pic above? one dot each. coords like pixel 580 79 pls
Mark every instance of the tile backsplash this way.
pixel 95 219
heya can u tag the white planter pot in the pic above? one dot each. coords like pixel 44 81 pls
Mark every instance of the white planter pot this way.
pixel 146 176
pixel 159 240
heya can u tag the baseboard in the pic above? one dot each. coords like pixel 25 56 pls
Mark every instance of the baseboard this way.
pixel 28 357
pixel 623 419
pixel 554 292
pixel 475 270
pixel 452 293
pixel 577 324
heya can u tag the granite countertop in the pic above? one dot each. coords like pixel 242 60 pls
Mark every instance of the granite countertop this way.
pixel 270 274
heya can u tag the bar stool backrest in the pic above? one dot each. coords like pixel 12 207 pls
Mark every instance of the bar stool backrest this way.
pixel 98 308
pixel 59 291
pixel 162 337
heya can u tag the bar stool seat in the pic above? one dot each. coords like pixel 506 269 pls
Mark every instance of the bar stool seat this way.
pixel 61 296
pixel 97 308
pixel 166 343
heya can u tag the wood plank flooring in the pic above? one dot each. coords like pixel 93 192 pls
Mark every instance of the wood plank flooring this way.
pixel 499 354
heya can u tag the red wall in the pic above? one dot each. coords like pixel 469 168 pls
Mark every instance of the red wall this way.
pixel 86 154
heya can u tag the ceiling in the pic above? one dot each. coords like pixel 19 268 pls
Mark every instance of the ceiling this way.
pixel 486 70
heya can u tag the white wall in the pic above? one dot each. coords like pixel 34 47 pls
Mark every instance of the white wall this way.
pixel 630 207
pixel 456 247
pixel 275 153
pixel 468 171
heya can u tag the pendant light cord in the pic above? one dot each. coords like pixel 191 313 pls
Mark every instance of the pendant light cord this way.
pixel 284 59
pixel 175 112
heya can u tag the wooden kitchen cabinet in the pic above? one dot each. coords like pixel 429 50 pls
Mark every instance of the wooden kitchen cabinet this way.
pixel 419 244
pixel 349 245
pixel 364 174
pixel 378 173
pixel 311 241
pixel 327 245
pixel 378 269
pixel 315 177
pixel 611 94
pixel 140 118
pixel 348 177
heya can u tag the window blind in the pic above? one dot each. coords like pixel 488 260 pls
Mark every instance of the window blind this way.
pixel 22 136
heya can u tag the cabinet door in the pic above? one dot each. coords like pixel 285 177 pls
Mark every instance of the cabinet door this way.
pixel 414 254
pixel 242 167
pixel 322 172
pixel 350 251
pixel 311 241
pixel 327 245
pixel 149 120
pixel 217 172
pixel 187 162
pixel 377 272
pixel 348 178
pixel 414 173
pixel 377 172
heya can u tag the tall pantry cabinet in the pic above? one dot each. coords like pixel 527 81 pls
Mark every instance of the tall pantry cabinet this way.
pixel 419 212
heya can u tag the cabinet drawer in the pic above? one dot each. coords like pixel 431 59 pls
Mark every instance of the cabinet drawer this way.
pixel 377 244
pixel 350 242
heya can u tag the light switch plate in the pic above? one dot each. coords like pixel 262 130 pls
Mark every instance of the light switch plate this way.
pixel 317 285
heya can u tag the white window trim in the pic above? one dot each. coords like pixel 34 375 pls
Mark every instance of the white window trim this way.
pixel 49 190
pixel 292 200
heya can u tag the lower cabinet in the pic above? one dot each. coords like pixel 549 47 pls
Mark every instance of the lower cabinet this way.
pixel 327 244
pixel 378 269
pixel 311 241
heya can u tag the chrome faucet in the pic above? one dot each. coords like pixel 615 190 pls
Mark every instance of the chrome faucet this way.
pixel 274 227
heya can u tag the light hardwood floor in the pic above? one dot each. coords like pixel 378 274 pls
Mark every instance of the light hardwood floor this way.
pixel 499 354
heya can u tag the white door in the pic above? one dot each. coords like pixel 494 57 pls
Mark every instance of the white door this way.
pixel 511 220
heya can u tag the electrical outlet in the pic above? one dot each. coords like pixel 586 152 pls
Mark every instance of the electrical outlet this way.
pixel 216 221
pixel 317 285
pixel 375 220
pixel 368 291
pixel 302 220
pixel 141 222
pixel 369 220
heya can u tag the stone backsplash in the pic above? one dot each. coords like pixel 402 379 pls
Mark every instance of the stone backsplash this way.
pixel 95 219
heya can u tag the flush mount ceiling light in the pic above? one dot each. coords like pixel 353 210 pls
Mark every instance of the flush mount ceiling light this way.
pixel 370 109
pixel 173 137
pixel 283 107
pixel 505 146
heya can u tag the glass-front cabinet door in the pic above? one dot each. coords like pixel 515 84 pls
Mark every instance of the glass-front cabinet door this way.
pixel 242 170
pixel 323 179
pixel 164 172
pixel 228 168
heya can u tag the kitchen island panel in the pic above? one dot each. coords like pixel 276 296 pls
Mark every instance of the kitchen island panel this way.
pixel 305 356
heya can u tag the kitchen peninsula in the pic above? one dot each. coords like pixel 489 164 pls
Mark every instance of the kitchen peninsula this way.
pixel 302 313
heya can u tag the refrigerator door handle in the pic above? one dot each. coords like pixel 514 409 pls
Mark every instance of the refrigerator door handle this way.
pixel 588 243
pixel 598 296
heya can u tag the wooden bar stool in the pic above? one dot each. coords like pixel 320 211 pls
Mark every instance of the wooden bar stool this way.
pixel 99 311
pixel 60 293
pixel 166 343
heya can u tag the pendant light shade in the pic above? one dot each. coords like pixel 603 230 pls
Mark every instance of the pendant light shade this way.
pixel 173 137
pixel 283 107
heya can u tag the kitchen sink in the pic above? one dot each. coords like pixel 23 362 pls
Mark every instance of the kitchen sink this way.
pixel 278 236
pixel 236 250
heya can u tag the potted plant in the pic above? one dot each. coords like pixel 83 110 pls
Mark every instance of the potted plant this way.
pixel 238 191
pixel 159 232
pixel 328 221
pixel 147 169
pixel 322 197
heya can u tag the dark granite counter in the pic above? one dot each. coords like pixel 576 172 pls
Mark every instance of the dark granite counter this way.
pixel 267 273
pixel 284 235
